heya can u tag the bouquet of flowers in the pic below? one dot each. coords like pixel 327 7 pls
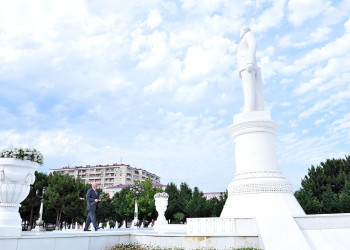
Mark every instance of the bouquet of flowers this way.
pixel 103 197
pixel 30 154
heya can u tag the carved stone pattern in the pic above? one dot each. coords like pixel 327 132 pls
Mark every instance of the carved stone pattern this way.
pixel 260 188
pixel 252 127
pixel 258 174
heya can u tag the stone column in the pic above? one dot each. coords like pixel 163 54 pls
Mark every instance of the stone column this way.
pixel 258 187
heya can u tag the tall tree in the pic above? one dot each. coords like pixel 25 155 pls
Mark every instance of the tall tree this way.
pixel 123 204
pixel 173 201
pixel 323 185
pixel 196 207
pixel 308 201
pixel 73 208
pixel 344 198
pixel 215 205
pixel 105 211
pixel 332 172
pixel 59 195
pixel 146 203
pixel 185 196
pixel 329 203
pixel 30 206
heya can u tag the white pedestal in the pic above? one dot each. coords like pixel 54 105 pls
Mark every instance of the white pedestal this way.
pixel 258 188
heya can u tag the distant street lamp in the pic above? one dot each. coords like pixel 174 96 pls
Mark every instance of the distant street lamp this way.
pixel 40 223
pixel 137 191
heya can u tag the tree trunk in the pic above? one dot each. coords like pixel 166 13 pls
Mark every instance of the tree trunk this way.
pixel 57 213
pixel 59 218
pixel 31 218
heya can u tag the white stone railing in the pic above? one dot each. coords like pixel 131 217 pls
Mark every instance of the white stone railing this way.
pixel 221 226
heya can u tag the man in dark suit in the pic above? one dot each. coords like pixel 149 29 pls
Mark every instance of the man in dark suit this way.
pixel 91 206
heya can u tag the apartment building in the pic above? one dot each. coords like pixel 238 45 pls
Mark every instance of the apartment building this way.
pixel 210 195
pixel 108 175
pixel 112 190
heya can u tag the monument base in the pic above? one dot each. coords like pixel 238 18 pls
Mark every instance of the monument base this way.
pixel 258 189
pixel 261 204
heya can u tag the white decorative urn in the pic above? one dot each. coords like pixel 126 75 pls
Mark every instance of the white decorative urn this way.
pixel 161 202
pixel 16 176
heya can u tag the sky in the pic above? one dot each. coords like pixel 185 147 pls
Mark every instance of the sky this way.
pixel 154 83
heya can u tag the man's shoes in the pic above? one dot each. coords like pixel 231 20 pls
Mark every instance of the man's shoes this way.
pixel 97 228
pixel 87 229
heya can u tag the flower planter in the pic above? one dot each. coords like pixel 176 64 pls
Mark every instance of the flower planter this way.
pixel 161 202
pixel 16 176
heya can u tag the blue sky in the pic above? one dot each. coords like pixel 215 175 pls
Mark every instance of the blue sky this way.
pixel 155 83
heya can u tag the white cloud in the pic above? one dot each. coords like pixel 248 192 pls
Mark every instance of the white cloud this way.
pixel 269 68
pixel 319 121
pixel 211 56
pixel 271 17
pixel 154 19
pixel 335 67
pixel 338 47
pixel 201 6
pixel 156 52
pixel 190 94
pixel 286 104
pixel 301 10
pixel 327 104
pixel 157 86
pixel 320 34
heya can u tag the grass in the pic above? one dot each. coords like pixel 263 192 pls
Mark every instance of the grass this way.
pixel 152 247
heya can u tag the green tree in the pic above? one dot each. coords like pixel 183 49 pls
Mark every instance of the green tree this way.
pixel 179 217
pixel 123 204
pixel 196 207
pixel 329 203
pixel 30 206
pixel 173 201
pixel 74 208
pixel 185 195
pixel 215 205
pixel 344 198
pixel 327 178
pixel 332 172
pixel 59 194
pixel 105 211
pixel 308 201
pixel 146 203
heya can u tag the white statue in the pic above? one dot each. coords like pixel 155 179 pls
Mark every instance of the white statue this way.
pixel 249 72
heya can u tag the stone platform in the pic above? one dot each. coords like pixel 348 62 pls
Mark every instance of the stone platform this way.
pixel 320 232
pixel 316 232
pixel 104 239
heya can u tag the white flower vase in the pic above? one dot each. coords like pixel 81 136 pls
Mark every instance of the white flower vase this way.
pixel 161 202
pixel 16 176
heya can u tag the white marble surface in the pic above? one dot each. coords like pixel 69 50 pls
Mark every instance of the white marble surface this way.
pixel 319 231
pixel 281 232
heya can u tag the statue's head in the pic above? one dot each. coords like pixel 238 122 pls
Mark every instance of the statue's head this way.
pixel 244 30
